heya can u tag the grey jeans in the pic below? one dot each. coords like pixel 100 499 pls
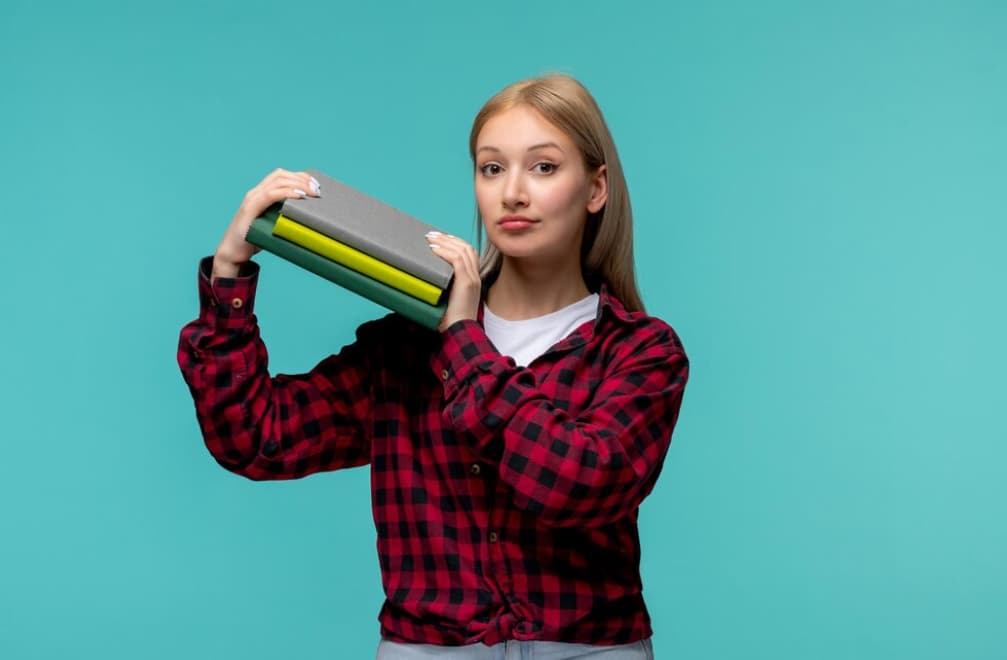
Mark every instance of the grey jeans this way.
pixel 515 650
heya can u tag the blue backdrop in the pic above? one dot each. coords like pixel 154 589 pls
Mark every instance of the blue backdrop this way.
pixel 819 191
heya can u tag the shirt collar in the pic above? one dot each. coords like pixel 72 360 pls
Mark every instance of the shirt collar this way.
pixel 609 306
pixel 607 303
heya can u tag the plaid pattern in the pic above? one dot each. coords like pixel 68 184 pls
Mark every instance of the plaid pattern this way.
pixel 505 498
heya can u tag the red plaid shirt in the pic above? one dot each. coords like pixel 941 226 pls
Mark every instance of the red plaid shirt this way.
pixel 505 498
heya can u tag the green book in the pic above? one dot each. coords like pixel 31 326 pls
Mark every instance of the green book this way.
pixel 260 234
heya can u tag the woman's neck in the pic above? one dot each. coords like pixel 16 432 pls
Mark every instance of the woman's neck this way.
pixel 523 290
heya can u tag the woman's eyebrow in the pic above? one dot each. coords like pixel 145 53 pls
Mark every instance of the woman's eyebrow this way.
pixel 534 147
pixel 544 145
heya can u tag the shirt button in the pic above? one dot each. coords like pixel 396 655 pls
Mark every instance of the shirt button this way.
pixel 444 374
pixel 237 303
pixel 493 537
pixel 475 469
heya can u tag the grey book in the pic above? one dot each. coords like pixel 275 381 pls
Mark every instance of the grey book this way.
pixel 371 226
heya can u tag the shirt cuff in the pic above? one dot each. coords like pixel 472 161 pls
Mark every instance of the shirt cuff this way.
pixel 230 301
pixel 465 352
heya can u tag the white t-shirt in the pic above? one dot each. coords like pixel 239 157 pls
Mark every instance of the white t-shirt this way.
pixel 527 339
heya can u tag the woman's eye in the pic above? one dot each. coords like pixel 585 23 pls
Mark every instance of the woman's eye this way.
pixel 490 169
pixel 544 168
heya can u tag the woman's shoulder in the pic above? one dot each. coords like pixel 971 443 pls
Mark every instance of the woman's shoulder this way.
pixel 635 328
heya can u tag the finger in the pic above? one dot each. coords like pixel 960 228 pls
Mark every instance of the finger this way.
pixel 468 263
pixel 296 180
pixel 301 183
pixel 454 242
pixel 467 258
pixel 270 180
pixel 464 267
pixel 464 275
pixel 304 181
pixel 443 251
pixel 314 187
pixel 471 258
pixel 288 191
pixel 258 199
pixel 454 258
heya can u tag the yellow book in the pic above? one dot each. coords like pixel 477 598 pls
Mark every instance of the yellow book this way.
pixel 350 257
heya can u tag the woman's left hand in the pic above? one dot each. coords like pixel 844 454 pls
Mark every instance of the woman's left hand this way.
pixel 463 298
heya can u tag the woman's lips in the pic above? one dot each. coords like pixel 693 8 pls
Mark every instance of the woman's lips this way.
pixel 515 222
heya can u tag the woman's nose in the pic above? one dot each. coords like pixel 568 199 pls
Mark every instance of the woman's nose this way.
pixel 515 193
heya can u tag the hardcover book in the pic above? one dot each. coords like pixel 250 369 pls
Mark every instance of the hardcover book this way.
pixel 260 234
pixel 372 227
pixel 350 257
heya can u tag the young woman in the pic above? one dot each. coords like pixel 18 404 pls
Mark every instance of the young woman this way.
pixel 511 448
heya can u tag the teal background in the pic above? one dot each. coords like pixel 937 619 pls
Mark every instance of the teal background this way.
pixel 819 191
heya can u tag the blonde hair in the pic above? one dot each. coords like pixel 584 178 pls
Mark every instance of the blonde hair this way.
pixel 607 249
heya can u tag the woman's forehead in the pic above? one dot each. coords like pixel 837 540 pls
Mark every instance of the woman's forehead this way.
pixel 521 128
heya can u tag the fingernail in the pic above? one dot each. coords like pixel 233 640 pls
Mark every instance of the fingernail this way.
pixel 433 233
pixel 434 246
pixel 315 187
pixel 300 192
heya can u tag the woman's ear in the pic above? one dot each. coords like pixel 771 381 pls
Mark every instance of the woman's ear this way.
pixel 599 190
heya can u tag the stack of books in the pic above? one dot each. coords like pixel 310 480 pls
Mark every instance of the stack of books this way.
pixel 361 244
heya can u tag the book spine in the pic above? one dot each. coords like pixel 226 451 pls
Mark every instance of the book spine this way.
pixel 309 218
pixel 352 258
pixel 260 234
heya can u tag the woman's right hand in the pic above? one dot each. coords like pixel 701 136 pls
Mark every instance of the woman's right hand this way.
pixel 278 185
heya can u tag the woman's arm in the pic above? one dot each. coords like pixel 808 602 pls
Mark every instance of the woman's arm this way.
pixel 255 425
pixel 262 427
pixel 586 470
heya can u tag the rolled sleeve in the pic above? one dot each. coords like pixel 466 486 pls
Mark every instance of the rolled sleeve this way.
pixel 229 302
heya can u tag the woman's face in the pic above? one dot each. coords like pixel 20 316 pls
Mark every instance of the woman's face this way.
pixel 532 187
